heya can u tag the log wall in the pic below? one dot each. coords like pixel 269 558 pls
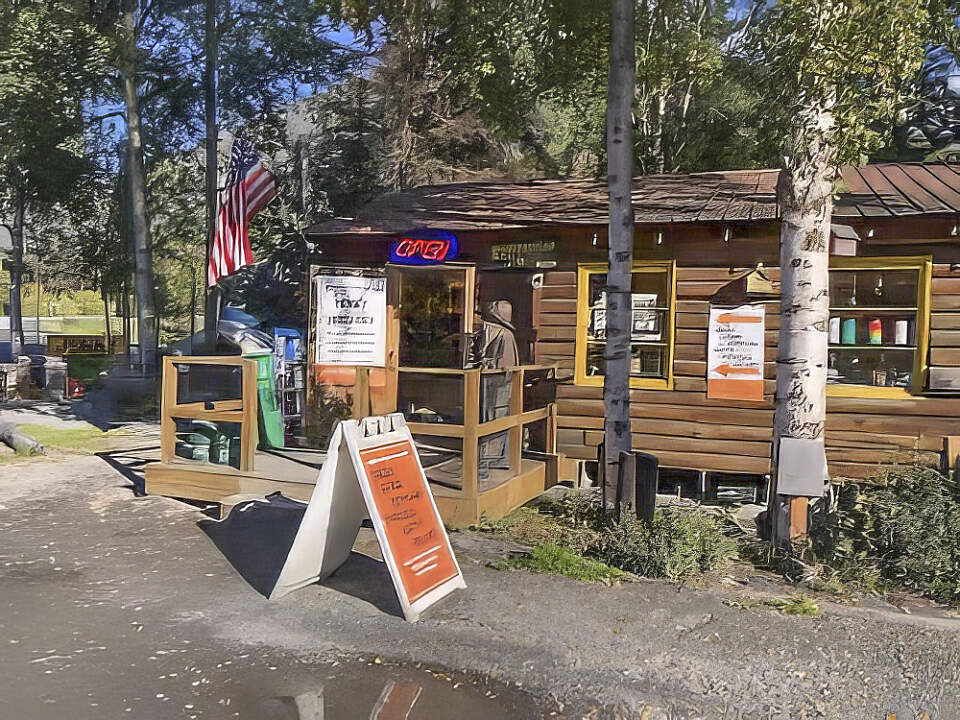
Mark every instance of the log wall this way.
pixel 686 430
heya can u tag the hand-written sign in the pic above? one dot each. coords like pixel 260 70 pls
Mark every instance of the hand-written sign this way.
pixel 351 320
pixel 414 531
pixel 735 349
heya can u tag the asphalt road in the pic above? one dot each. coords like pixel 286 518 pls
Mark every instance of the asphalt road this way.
pixel 115 606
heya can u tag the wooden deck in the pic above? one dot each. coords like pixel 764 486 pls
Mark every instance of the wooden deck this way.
pixel 292 472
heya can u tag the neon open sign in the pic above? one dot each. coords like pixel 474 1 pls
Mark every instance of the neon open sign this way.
pixel 427 249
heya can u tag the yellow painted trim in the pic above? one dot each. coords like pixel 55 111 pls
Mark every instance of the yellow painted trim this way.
pixel 867 391
pixel 584 271
pixel 923 264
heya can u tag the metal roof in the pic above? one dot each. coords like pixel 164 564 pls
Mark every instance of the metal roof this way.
pixel 880 190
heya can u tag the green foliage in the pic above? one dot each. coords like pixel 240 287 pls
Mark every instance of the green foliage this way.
pixel 797 605
pixel 679 545
pixel 552 559
pixel 834 73
pixel 901 529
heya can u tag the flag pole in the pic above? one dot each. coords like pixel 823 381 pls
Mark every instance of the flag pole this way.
pixel 211 312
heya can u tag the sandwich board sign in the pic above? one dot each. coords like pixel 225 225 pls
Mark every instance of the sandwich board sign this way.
pixel 735 350
pixel 372 470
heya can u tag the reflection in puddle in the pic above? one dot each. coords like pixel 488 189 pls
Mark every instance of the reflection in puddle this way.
pixel 369 692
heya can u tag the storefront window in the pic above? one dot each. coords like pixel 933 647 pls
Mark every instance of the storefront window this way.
pixel 879 325
pixel 651 340
pixel 433 317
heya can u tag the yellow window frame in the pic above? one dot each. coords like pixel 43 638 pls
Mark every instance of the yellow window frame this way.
pixel 923 264
pixel 584 271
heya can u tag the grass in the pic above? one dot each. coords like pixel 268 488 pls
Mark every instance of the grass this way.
pixel 552 559
pixel 87 439
pixel 799 605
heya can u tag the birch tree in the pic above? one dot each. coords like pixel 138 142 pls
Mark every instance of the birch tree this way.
pixel 616 379
pixel 834 74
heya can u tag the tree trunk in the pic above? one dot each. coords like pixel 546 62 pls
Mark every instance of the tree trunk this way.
pixel 805 195
pixel 616 382
pixel 142 245
pixel 211 305
pixel 106 316
pixel 17 339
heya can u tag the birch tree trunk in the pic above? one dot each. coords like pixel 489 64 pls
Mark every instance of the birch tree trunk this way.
pixel 616 381
pixel 17 340
pixel 804 191
pixel 142 245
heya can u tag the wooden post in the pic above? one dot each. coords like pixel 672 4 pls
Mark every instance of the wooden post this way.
pixel 798 517
pixel 469 449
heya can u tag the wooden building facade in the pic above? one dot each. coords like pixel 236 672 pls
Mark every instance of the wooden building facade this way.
pixel 707 240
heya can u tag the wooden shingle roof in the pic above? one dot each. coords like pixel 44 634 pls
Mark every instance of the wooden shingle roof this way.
pixel 880 190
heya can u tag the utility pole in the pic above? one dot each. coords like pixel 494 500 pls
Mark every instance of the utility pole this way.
pixel 212 304
pixel 616 379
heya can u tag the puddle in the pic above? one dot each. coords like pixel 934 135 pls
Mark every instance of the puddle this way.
pixel 389 692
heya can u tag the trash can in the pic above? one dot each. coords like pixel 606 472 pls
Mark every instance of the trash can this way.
pixel 270 418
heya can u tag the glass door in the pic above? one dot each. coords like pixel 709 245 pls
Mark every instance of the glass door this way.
pixel 435 307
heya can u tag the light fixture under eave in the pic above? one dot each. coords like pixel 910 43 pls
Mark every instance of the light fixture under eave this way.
pixel 870 233
pixel 659 237
pixel 727 233
pixel 594 240
pixel 955 230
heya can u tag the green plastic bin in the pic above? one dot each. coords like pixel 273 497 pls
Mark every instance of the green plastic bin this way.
pixel 270 417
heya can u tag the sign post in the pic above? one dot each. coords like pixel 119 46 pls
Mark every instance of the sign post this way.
pixel 735 353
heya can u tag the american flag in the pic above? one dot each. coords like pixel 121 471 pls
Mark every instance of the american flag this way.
pixel 250 186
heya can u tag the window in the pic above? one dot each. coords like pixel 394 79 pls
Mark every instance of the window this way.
pixel 879 326
pixel 651 342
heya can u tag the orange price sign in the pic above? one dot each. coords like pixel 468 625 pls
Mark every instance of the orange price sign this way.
pixel 414 531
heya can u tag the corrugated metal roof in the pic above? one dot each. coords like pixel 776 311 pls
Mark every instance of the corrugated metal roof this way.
pixel 881 190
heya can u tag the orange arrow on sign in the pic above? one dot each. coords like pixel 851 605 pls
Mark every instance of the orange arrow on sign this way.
pixel 731 318
pixel 728 370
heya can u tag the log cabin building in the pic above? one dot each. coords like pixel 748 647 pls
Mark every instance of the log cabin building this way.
pixel 702 240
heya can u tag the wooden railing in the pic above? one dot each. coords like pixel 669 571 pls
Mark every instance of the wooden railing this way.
pixel 471 430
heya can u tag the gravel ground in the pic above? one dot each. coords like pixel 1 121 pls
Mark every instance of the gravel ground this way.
pixel 82 557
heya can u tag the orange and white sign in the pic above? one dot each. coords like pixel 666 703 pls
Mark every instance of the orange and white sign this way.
pixel 735 348
pixel 413 529
pixel 372 469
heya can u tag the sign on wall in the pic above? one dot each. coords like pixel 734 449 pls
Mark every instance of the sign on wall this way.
pixel 735 349
pixel 351 320
pixel 431 247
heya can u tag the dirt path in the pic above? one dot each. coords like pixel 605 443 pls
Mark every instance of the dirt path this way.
pixel 134 585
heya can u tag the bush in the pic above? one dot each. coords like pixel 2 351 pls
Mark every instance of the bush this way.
pixel 678 545
pixel 901 529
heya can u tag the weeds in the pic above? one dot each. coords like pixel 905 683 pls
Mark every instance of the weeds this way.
pixel 796 605
pixel 901 530
pixel 552 559
pixel 679 545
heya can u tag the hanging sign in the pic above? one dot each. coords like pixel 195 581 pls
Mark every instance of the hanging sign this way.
pixel 351 320
pixel 735 353
pixel 431 248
